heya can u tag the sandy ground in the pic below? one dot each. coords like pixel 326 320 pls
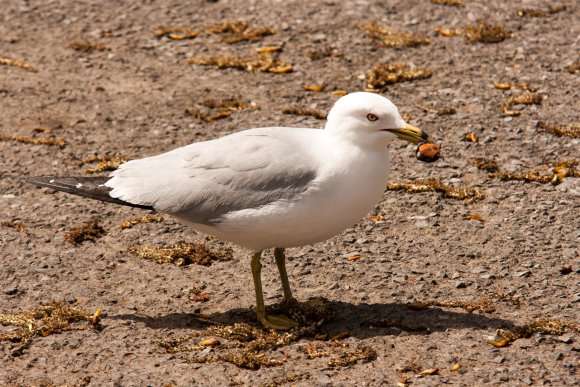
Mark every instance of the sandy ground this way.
pixel 515 263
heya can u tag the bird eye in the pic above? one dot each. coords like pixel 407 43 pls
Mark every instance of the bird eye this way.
pixel 372 117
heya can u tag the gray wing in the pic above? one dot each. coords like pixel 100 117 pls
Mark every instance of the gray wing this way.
pixel 207 180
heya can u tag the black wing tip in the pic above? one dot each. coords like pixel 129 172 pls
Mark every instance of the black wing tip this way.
pixel 41 180
pixel 89 187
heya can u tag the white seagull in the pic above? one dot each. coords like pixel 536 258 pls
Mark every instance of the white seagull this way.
pixel 266 187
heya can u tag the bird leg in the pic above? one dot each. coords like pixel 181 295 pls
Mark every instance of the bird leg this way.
pixel 273 322
pixel 281 263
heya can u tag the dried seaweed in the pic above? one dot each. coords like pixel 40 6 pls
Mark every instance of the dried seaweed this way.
pixel 21 228
pixel 238 31
pixel 87 47
pixel 197 295
pixel 247 346
pixel 319 53
pixel 223 108
pixel 572 130
pixel 228 104
pixel 471 195
pixel 348 358
pixel 263 63
pixel 485 33
pixel 535 12
pixel 89 232
pixel 443 111
pixel 320 115
pixel 175 32
pixel 183 253
pixel 387 37
pixel 393 72
pixel 559 172
pixel 149 218
pixel 104 163
pixel 454 3
pixel 520 85
pixel 525 99
pixel 17 63
pixel 268 49
pixel 477 217
pixel 483 304
pixel 36 141
pixel 471 137
pixel 547 326
pixel 52 318
pixel 481 32
pixel 487 165
pixel 201 115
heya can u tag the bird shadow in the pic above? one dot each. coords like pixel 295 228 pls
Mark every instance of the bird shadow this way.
pixel 359 320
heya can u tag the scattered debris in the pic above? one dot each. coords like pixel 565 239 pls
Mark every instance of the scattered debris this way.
pixel 471 195
pixel 478 217
pixel 104 163
pixel 323 52
pixel 248 347
pixel 224 107
pixel 485 33
pixel 201 115
pixel 320 115
pixel 386 37
pixel 268 49
pixel 521 85
pixel 89 232
pixel 481 32
pixel 347 358
pixel 445 111
pixel 456 367
pixel 454 3
pixel 429 371
pixel 572 131
pixel 559 172
pixel 87 47
pixel 409 367
pixel 21 228
pixel 42 129
pixel 535 12
pixel 471 137
pixel 545 326
pixel 175 32
pixel 354 257
pixel 182 254
pixel 263 62
pixel 36 141
pixel 198 296
pixel 315 88
pixel 574 68
pixel 393 72
pixel 482 304
pixel 17 63
pixel 149 218
pixel 487 165
pixel 52 318
pixel 525 99
pixel 238 31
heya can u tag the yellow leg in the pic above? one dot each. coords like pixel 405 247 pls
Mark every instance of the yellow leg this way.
pixel 281 263
pixel 273 322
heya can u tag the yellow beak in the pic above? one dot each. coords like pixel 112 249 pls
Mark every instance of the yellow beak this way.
pixel 411 134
